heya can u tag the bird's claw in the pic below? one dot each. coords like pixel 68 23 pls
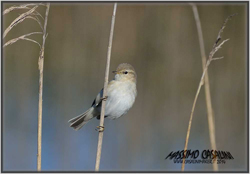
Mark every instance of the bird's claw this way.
pixel 104 98
pixel 100 128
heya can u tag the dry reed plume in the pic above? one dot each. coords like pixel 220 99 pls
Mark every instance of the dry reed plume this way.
pixel 36 16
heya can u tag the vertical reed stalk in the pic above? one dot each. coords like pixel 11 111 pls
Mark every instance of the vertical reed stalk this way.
pixel 100 138
pixel 40 104
pixel 210 115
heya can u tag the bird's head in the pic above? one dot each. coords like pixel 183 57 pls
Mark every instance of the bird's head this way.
pixel 125 72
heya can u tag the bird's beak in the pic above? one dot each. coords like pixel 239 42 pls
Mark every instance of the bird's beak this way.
pixel 114 72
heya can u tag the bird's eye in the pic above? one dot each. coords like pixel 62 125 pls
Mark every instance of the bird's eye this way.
pixel 125 72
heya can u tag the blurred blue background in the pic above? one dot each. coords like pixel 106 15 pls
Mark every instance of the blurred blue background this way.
pixel 160 40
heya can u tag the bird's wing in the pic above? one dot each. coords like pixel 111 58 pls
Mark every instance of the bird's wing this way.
pixel 98 100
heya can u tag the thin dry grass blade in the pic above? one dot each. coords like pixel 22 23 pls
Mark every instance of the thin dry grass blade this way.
pixel 37 20
pixel 23 37
pixel 217 58
pixel 24 6
pixel 18 20
pixel 210 114
pixel 38 14
pixel 215 48
pixel 32 41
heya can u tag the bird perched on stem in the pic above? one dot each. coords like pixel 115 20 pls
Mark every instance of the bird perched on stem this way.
pixel 121 94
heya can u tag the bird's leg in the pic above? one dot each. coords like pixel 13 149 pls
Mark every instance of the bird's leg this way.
pixel 100 128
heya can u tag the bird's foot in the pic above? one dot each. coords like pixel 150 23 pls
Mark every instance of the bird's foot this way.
pixel 104 98
pixel 100 128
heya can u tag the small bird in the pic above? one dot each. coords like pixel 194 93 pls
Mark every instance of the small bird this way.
pixel 121 94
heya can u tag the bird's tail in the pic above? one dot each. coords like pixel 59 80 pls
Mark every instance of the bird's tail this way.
pixel 79 121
